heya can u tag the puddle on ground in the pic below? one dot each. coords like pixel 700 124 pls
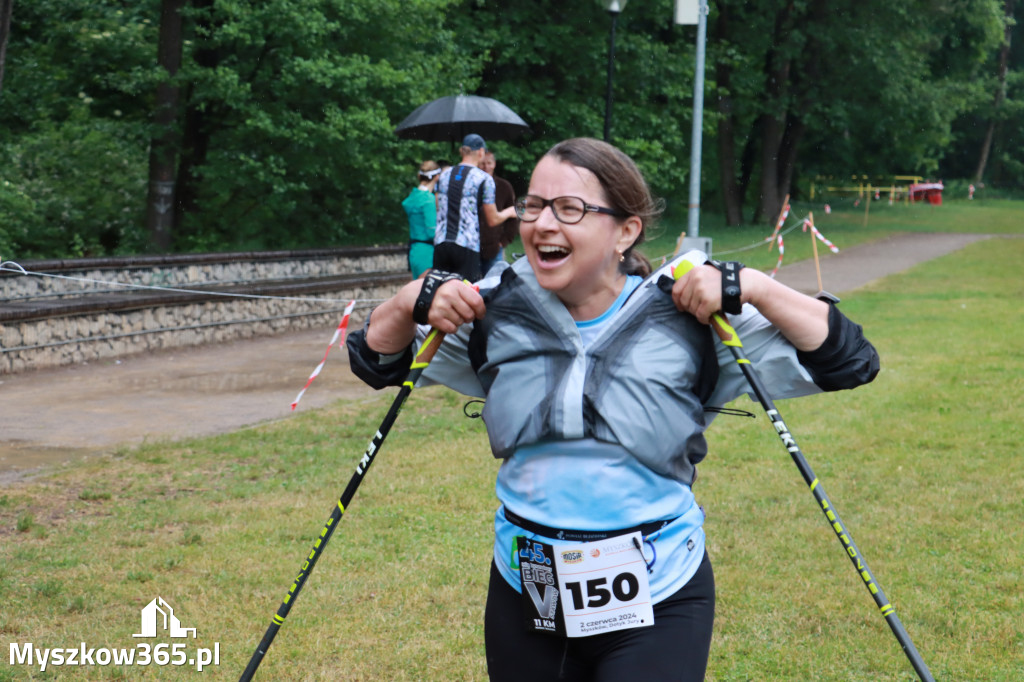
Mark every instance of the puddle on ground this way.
pixel 222 382
pixel 22 461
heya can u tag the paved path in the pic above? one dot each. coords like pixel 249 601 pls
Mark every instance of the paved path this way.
pixel 53 416
pixel 855 266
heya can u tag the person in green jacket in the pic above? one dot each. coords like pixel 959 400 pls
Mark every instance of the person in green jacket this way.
pixel 421 207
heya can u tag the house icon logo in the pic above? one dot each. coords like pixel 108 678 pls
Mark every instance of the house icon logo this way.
pixel 158 615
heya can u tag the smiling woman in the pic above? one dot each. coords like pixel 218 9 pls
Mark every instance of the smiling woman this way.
pixel 579 248
pixel 597 374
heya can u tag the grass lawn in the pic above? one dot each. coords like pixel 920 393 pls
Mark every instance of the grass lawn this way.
pixel 923 465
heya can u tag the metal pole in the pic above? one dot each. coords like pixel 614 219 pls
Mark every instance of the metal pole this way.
pixel 423 357
pixel 730 338
pixel 611 70
pixel 693 219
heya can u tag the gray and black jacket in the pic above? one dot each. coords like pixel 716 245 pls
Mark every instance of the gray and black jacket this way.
pixel 644 383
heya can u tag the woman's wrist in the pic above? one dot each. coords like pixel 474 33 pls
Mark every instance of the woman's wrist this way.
pixel 752 286
pixel 391 328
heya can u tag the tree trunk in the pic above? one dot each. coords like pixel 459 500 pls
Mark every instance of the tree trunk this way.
pixel 804 77
pixel 769 201
pixel 731 199
pixel 773 120
pixel 788 151
pixel 748 159
pixel 1000 96
pixel 6 9
pixel 196 133
pixel 163 147
pixel 986 148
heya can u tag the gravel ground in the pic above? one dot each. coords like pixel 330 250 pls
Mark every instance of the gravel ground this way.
pixel 53 416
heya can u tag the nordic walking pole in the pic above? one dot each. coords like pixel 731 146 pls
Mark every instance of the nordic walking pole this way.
pixel 419 363
pixel 729 337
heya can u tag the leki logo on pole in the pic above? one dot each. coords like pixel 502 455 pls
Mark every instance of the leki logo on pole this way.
pixel 158 615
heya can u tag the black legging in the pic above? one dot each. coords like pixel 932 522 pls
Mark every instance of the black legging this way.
pixel 674 649
pixel 451 257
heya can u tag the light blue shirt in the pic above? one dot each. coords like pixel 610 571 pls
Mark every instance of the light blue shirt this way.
pixel 587 484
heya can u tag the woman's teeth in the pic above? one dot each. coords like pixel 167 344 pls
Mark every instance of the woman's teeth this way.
pixel 549 252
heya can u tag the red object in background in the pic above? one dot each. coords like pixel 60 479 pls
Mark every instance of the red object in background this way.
pixel 927 191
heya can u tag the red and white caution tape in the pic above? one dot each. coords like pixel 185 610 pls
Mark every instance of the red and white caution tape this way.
pixel 831 247
pixel 782 250
pixel 814 231
pixel 339 332
pixel 778 226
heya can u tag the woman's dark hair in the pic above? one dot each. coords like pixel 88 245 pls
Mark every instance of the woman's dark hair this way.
pixel 623 184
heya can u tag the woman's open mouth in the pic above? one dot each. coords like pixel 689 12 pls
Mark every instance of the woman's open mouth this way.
pixel 549 253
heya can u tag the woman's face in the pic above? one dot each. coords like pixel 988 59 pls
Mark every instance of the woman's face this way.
pixel 487 164
pixel 578 263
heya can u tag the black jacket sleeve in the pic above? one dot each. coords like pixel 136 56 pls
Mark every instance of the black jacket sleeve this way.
pixel 366 364
pixel 845 360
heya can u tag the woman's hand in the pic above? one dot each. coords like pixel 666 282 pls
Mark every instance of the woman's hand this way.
pixel 455 304
pixel 801 319
pixel 392 328
pixel 699 292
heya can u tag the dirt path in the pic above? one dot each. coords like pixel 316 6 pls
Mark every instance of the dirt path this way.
pixel 54 416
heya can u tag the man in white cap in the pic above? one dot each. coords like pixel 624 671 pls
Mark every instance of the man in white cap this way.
pixel 465 205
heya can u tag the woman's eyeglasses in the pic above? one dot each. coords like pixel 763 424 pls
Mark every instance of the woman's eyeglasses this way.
pixel 567 210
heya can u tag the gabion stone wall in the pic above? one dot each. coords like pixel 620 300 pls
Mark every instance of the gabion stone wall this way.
pixel 72 339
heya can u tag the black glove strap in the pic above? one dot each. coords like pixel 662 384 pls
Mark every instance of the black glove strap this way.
pixel 432 281
pixel 731 302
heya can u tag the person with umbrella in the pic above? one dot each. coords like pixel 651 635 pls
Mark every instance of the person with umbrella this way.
pixel 465 205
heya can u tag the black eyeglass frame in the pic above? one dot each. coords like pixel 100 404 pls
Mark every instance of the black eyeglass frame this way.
pixel 544 203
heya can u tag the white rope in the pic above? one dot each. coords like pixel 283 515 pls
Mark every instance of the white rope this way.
pixel 11 266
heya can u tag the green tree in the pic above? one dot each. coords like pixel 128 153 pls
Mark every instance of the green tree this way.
pixel 815 87
pixel 288 134
pixel 73 128
pixel 986 146
pixel 547 60
pixel 6 7
pixel 284 134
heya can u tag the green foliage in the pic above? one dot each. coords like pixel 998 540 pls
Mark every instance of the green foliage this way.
pixel 287 110
pixel 299 102
pixel 73 128
pixel 62 53
pixel 875 99
pixel 559 85
pixel 1000 104
pixel 73 188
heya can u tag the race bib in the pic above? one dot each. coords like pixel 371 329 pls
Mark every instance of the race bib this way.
pixel 584 589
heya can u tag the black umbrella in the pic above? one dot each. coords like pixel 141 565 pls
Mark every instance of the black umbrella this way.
pixel 449 119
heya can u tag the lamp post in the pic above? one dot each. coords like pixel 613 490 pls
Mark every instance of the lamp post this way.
pixel 614 8
pixel 693 219
pixel 695 12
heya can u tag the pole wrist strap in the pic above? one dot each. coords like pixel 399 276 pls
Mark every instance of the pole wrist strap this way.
pixel 432 281
pixel 731 291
